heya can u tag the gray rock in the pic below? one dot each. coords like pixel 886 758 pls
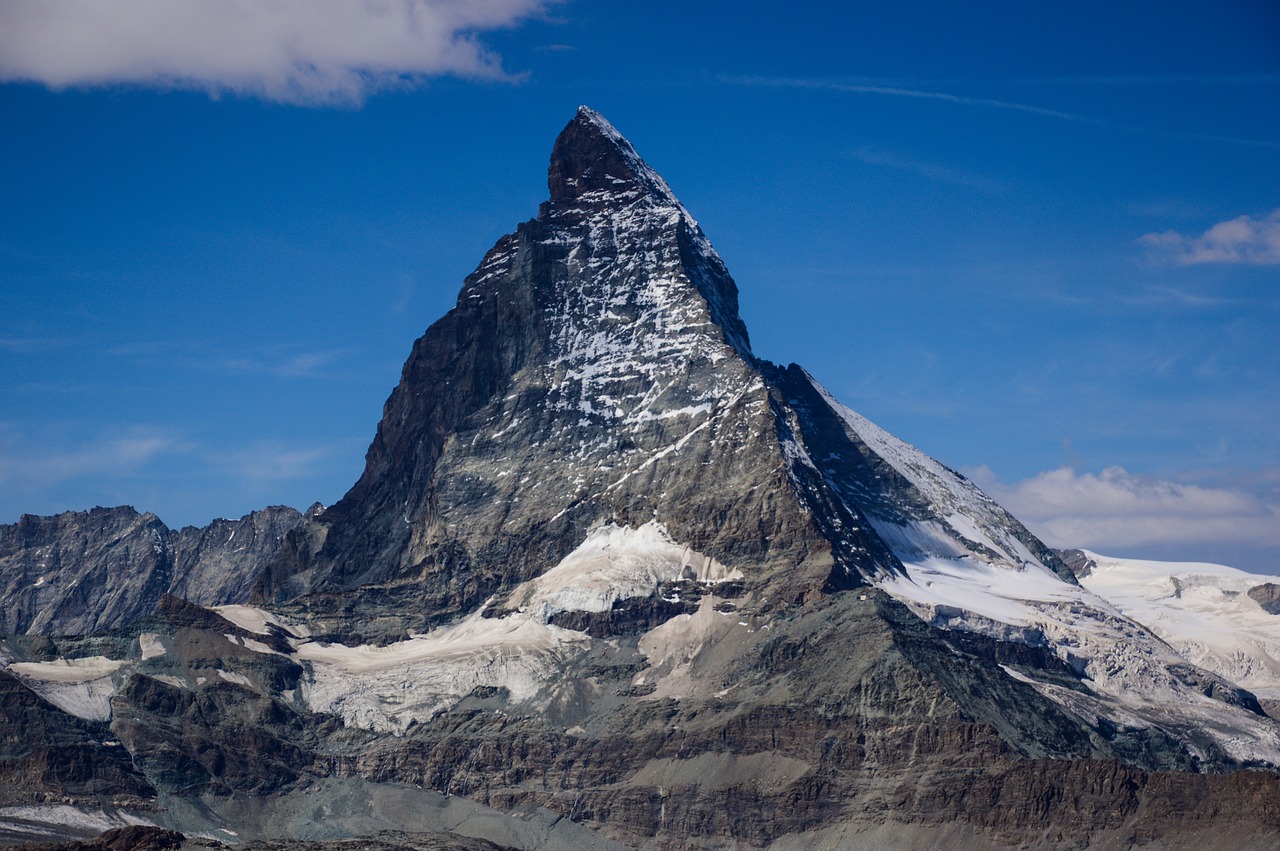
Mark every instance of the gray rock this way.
pixel 1267 595
pixel 83 572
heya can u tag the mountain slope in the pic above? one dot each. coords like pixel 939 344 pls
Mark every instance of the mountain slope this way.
pixel 1217 617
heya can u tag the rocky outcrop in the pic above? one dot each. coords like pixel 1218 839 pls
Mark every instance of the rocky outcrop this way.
pixel 47 754
pixel 129 838
pixel 1267 596
pixel 83 572
pixel 1077 561
pixel 219 563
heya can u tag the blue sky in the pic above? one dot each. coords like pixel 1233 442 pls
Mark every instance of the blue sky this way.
pixel 1040 242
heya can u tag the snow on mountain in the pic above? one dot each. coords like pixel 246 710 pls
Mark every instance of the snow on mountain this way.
pixel 80 687
pixel 387 688
pixel 970 566
pixel 1204 611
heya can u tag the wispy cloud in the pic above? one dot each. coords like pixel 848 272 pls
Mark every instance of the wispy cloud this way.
pixel 295 51
pixel 29 344
pixel 119 455
pixel 932 171
pixel 1243 240
pixel 270 461
pixel 281 361
pixel 1116 508
pixel 876 88
pixel 284 364
pixel 1172 297
pixel 890 88
pixel 1160 80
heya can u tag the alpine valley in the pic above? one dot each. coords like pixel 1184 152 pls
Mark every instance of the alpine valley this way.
pixel 610 580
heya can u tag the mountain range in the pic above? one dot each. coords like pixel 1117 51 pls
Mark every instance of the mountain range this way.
pixel 609 579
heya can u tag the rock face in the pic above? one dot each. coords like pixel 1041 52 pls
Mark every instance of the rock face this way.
pixel 1267 595
pixel 88 571
pixel 605 561
pixel 594 370
pixel 1078 561
pixel 219 563
pixel 46 753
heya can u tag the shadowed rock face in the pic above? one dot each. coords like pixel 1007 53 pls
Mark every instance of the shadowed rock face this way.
pixel 1267 595
pixel 1077 561
pixel 129 838
pixel 45 752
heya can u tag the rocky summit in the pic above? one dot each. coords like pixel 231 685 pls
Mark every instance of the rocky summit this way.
pixel 610 580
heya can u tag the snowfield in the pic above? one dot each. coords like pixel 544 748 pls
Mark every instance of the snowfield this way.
pixel 388 688
pixel 79 687
pixel 970 566
pixel 1203 611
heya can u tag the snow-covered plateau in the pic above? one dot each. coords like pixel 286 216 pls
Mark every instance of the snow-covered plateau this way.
pixel 1203 611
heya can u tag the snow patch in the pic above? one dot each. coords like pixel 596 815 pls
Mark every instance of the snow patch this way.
pixel 615 563
pixel 260 621
pixel 90 821
pixel 149 644
pixel 388 688
pixel 235 677
pixel 79 687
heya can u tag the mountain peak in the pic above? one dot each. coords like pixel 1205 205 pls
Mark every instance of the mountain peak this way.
pixel 592 159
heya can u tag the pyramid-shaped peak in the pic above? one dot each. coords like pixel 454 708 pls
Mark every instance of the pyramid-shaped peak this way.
pixel 591 157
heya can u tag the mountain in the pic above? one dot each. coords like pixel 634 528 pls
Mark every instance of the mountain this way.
pixel 594 371
pixel 606 568
pixel 86 571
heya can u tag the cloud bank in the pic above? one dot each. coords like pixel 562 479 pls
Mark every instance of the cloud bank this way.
pixel 293 51
pixel 1116 508
pixel 1241 240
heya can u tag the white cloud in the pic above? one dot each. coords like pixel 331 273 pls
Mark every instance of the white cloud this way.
pixel 298 51
pixel 119 456
pixel 1116 508
pixel 1240 240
